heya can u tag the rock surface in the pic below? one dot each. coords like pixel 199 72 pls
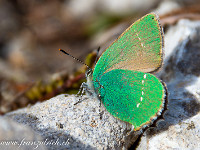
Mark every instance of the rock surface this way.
pixel 16 136
pixel 80 126
pixel 181 127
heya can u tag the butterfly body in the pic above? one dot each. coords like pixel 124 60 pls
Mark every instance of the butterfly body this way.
pixel 122 79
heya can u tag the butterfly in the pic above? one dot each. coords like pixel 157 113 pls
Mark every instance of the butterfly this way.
pixel 122 77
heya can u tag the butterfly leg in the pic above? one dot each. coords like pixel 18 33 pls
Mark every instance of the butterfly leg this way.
pixel 100 102
pixel 100 111
pixel 83 88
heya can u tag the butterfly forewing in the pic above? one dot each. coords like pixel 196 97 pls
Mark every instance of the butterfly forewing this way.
pixel 139 48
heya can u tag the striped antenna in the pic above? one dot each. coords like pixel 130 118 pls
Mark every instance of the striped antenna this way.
pixel 75 58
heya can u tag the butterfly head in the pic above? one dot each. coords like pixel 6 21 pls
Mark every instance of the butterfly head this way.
pixel 88 72
pixel 88 75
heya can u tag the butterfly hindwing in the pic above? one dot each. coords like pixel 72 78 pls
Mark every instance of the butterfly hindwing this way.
pixel 132 96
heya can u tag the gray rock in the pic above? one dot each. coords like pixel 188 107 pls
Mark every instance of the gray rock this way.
pixel 80 126
pixel 181 127
pixel 16 136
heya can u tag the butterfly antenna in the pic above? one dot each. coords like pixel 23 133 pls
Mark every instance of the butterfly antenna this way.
pixel 75 58
pixel 97 55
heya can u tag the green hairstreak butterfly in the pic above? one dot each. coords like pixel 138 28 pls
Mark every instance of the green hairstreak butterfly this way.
pixel 122 76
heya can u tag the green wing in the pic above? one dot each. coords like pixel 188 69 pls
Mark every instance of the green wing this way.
pixel 132 96
pixel 138 48
pixel 120 75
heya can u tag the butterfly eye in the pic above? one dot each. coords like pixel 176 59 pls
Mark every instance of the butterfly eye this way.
pixel 88 72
